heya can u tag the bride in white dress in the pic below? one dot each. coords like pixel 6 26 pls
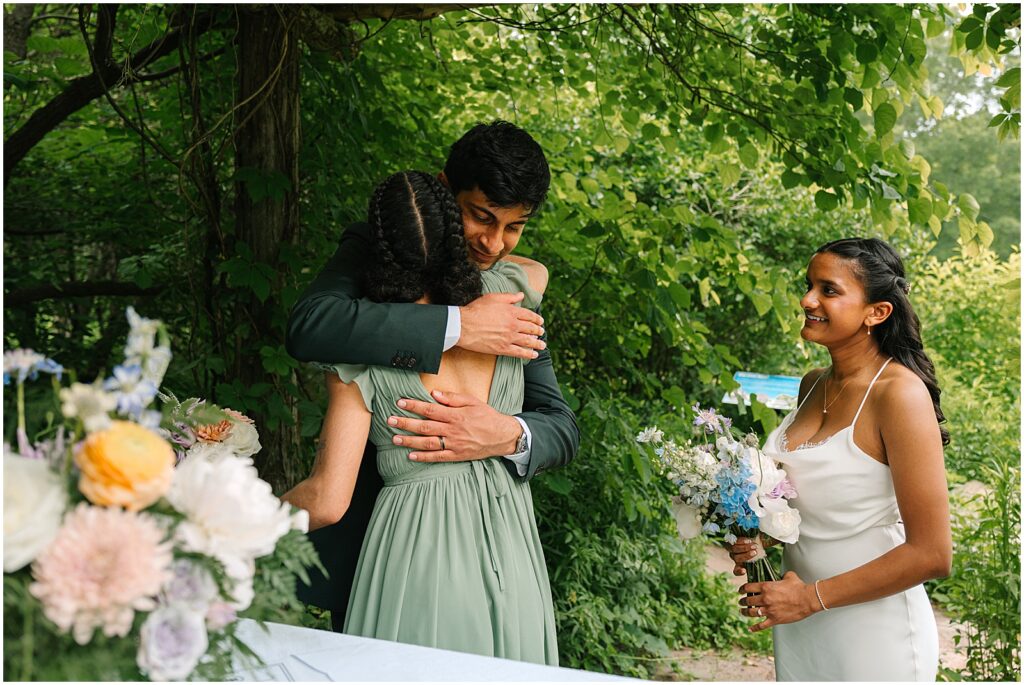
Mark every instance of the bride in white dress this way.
pixel 864 451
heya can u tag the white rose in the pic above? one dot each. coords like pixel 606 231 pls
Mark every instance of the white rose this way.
pixel 687 519
pixel 243 439
pixel 34 502
pixel 231 514
pixel 765 475
pixel 171 642
pixel 781 521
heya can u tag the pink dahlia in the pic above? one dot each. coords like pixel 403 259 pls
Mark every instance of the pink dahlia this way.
pixel 103 566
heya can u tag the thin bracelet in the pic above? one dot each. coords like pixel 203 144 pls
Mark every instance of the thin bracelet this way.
pixel 818 593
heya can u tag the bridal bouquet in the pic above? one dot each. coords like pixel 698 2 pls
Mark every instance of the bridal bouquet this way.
pixel 134 537
pixel 727 486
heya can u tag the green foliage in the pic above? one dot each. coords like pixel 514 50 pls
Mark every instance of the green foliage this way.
pixel 699 154
pixel 984 591
pixel 962 303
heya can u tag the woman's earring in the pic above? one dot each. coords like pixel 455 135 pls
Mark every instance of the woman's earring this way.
pixel 869 330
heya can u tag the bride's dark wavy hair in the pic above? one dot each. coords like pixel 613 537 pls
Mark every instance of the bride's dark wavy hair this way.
pixel 419 244
pixel 880 270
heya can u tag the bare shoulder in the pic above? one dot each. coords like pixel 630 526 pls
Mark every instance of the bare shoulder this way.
pixel 809 379
pixel 536 272
pixel 900 392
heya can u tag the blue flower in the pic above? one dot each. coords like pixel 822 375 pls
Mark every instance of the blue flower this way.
pixel 734 490
pixel 134 393
pixel 25 363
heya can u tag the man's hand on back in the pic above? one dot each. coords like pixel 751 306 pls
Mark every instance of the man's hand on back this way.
pixel 471 429
pixel 493 324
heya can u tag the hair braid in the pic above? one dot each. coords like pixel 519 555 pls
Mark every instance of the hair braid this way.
pixel 419 243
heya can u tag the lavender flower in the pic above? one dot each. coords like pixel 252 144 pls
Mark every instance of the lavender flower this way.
pixel 711 420
pixel 191 586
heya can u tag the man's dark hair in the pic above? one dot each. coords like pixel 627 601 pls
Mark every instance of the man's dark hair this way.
pixel 503 161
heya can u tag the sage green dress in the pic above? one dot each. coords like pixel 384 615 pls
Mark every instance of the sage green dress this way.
pixel 451 557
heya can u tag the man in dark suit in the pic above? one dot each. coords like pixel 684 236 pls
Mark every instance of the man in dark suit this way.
pixel 499 177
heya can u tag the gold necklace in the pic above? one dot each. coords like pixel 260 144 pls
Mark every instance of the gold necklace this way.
pixel 826 404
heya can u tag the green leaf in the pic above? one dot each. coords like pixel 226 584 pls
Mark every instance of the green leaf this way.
pixel 650 131
pixel 762 303
pixel 866 52
pixel 885 119
pixel 728 173
pixel 985 234
pixel 790 179
pixel 935 28
pixel 907 148
pixel 974 39
pixel 935 224
pixel 568 180
pixel 919 210
pixel 621 144
pixel 854 97
pixel 557 482
pixel 968 205
pixel 749 156
pixel 1009 78
pixel 589 185
pixel 825 200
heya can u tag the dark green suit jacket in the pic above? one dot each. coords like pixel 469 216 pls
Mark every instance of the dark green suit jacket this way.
pixel 332 323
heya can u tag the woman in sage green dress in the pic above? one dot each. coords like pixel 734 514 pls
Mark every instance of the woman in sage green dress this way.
pixel 451 558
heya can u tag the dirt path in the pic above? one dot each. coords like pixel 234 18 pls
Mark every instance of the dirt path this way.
pixel 737 666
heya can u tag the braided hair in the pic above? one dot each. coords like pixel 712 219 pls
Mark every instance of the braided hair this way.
pixel 880 270
pixel 419 245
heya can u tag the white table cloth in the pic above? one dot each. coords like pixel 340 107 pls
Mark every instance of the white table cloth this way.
pixel 292 653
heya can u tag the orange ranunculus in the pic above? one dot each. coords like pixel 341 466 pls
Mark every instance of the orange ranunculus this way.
pixel 125 465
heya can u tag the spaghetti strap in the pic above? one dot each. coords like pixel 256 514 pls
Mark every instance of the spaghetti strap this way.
pixel 811 391
pixel 868 391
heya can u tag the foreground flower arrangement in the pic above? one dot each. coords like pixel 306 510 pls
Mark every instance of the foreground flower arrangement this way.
pixel 134 537
pixel 728 487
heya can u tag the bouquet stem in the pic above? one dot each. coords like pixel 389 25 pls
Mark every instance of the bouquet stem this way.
pixel 761 571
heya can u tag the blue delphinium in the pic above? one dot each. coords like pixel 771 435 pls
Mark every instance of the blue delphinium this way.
pixel 735 488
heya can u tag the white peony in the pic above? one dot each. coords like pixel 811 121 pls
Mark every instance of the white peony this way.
pixel 781 521
pixel 209 451
pixel 687 519
pixel 90 403
pixel 171 642
pixel 300 520
pixel 231 514
pixel 241 573
pixel 243 438
pixel 34 502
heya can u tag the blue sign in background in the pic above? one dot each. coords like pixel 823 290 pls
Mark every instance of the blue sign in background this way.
pixel 778 392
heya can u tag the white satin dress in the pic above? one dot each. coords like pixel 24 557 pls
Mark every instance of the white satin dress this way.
pixel 849 517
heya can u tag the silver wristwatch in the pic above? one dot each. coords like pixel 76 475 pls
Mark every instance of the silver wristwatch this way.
pixel 521 444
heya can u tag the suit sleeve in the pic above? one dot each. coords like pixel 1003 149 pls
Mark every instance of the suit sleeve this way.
pixel 332 323
pixel 556 437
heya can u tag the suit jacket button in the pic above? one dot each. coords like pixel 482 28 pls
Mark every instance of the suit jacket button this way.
pixel 410 362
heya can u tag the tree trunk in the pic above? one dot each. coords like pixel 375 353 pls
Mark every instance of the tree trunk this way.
pixel 17 25
pixel 267 147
